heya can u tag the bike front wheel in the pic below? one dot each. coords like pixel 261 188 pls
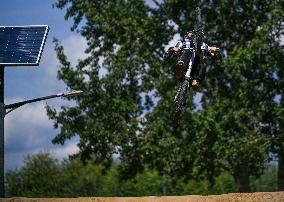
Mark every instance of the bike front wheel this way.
pixel 180 99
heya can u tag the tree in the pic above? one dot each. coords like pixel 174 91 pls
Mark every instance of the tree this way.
pixel 252 68
pixel 44 176
pixel 71 178
pixel 234 128
pixel 39 177
pixel 121 33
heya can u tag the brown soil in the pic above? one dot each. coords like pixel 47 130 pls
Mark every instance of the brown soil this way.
pixel 236 197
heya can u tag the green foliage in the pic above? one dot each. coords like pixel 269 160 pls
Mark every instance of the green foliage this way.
pixel 37 178
pixel 77 180
pixel 128 110
pixel 43 176
pixel 147 183
pixel 267 181
pixel 107 117
pixel 224 184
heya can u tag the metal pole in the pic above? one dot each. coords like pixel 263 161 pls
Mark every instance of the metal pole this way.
pixel 2 115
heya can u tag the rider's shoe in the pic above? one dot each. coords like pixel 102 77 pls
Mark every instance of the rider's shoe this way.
pixel 180 69
pixel 195 84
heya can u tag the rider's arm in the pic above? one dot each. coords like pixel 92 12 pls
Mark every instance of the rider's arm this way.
pixel 172 51
pixel 168 54
pixel 178 44
pixel 177 47
pixel 213 51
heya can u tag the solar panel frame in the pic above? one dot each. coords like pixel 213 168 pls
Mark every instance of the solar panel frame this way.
pixel 39 53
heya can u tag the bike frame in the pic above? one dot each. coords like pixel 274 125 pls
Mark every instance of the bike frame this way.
pixel 190 65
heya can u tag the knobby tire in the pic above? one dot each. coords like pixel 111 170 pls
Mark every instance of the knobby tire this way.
pixel 180 100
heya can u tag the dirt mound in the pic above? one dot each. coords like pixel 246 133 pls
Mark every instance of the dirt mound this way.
pixel 236 197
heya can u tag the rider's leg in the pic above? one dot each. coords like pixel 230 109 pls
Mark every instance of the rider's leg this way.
pixel 198 73
pixel 182 63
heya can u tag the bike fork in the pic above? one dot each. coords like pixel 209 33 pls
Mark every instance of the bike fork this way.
pixel 190 64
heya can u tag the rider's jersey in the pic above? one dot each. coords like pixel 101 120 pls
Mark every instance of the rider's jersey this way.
pixel 185 44
pixel 188 43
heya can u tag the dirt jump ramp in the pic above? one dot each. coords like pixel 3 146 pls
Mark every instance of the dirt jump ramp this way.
pixel 236 197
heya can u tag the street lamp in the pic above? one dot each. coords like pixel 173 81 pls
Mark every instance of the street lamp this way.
pixel 20 46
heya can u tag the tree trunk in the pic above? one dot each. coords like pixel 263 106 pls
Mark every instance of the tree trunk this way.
pixel 241 177
pixel 280 174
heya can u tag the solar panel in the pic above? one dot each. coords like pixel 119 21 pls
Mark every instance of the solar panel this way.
pixel 22 45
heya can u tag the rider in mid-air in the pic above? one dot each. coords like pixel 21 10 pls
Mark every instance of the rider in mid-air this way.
pixel 184 49
pixel 192 53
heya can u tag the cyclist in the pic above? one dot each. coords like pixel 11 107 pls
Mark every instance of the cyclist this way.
pixel 184 49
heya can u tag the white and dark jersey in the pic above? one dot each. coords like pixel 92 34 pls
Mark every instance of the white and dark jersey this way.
pixel 185 44
pixel 188 43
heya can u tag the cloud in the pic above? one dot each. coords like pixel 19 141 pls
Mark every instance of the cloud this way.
pixel 74 47
pixel 14 159
pixel 173 42
pixel 29 131
pixel 26 129
pixel 68 149
pixel 152 4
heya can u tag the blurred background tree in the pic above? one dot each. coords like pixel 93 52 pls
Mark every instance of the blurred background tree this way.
pixel 38 177
pixel 128 103
pixel 44 176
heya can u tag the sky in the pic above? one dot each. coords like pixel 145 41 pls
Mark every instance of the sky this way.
pixel 28 129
